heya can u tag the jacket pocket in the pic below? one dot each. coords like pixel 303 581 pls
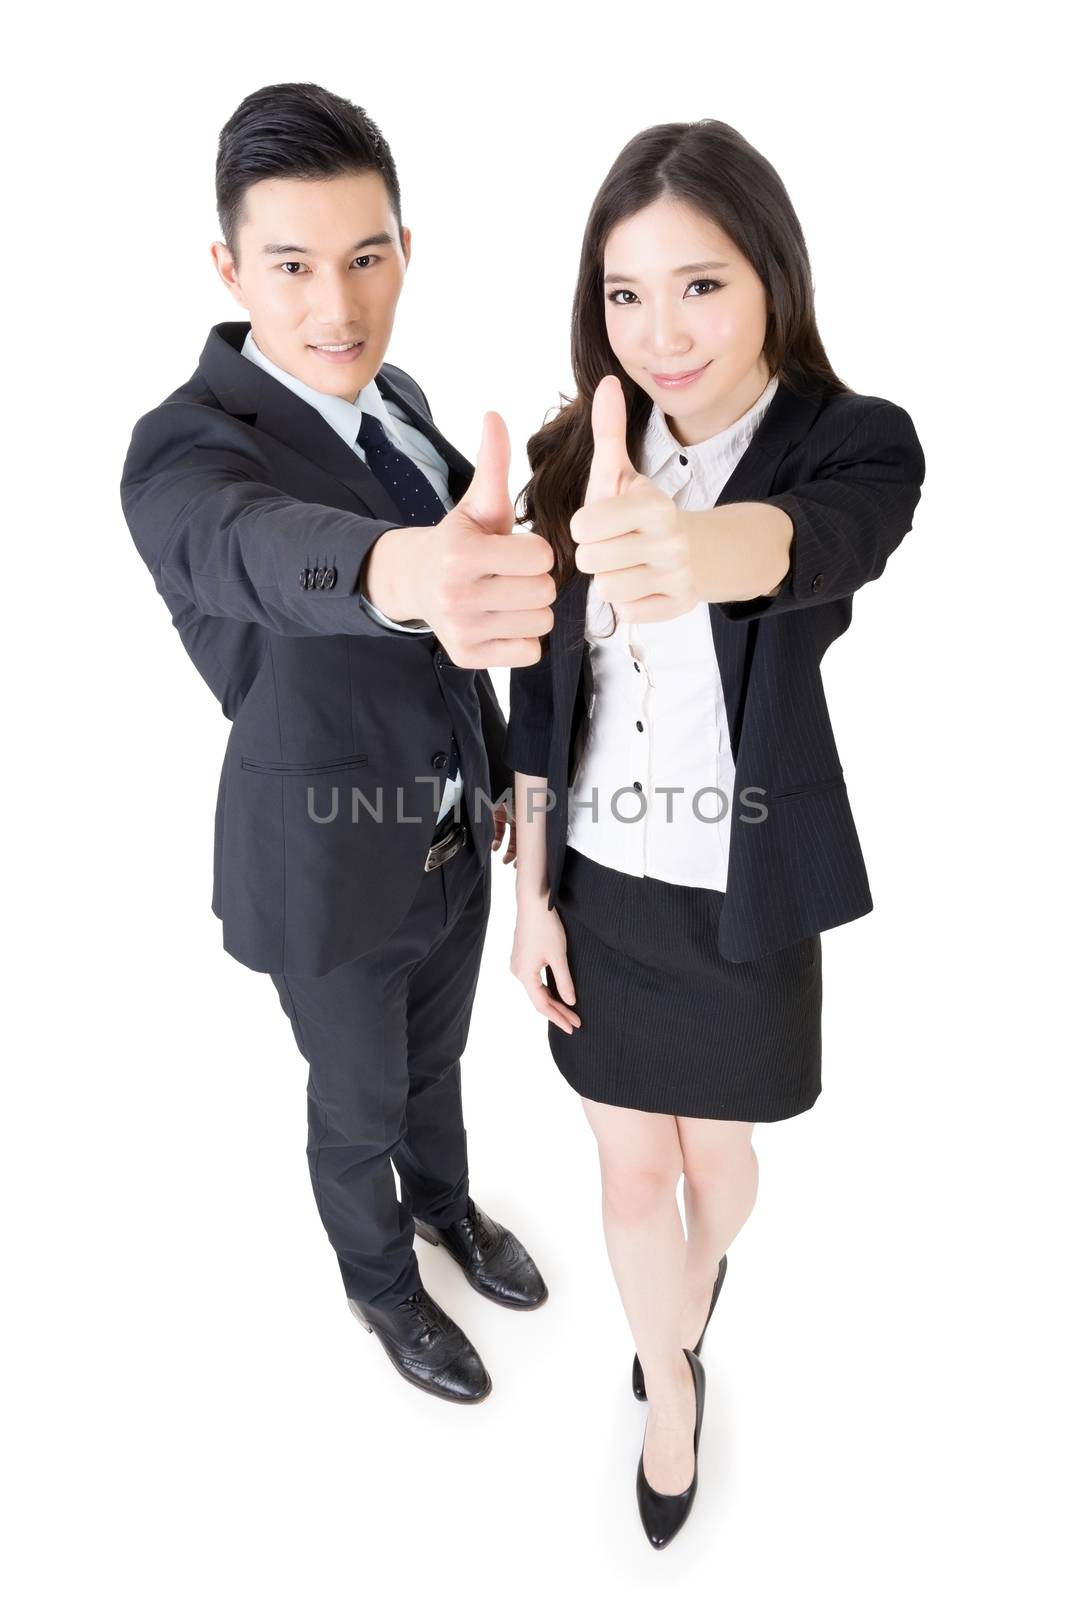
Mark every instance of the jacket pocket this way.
pixel 815 787
pixel 304 769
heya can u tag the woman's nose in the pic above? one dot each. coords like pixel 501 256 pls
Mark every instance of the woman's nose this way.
pixel 667 336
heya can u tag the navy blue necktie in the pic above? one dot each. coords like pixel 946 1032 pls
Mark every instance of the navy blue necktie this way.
pixel 410 491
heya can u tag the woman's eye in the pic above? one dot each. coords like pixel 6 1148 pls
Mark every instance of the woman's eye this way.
pixel 705 285
pixel 615 302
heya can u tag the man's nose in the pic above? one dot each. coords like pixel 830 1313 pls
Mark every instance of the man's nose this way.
pixel 337 305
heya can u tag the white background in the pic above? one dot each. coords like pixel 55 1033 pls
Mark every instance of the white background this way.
pixel 191 1408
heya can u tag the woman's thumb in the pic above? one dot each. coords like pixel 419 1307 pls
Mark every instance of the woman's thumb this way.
pixel 611 468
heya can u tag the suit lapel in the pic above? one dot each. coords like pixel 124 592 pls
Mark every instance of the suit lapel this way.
pixel 460 471
pixel 246 391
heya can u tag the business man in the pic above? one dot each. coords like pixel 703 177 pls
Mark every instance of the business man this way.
pixel 342 582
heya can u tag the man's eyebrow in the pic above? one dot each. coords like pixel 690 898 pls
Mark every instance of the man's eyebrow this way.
pixel 693 266
pixel 301 250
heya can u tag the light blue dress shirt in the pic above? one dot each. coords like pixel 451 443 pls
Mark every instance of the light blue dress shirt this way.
pixel 345 418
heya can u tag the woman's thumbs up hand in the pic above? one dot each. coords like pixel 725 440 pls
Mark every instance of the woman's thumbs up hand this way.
pixel 629 535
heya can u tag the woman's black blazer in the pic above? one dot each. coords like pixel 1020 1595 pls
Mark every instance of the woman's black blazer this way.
pixel 848 469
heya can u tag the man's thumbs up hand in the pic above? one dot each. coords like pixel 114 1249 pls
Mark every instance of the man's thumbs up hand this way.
pixel 629 535
pixel 486 594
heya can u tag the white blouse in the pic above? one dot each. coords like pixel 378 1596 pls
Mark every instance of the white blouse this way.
pixel 658 716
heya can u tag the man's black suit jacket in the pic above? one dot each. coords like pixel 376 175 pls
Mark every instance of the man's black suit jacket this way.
pixel 254 519
pixel 848 470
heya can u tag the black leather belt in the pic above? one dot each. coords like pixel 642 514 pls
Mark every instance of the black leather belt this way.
pixel 444 848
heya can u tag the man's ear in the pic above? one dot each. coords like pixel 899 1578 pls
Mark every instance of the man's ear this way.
pixel 405 245
pixel 222 256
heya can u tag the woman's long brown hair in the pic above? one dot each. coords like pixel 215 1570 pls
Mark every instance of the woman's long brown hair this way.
pixel 710 167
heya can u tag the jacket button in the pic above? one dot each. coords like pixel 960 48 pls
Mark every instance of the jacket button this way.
pixel 440 759
pixel 439 659
pixel 817 582
pixel 320 577
pixel 303 578
pixel 330 578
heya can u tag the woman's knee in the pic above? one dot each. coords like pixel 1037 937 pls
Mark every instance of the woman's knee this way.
pixel 634 1187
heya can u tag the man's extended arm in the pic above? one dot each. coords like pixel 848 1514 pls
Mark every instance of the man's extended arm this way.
pixel 212 531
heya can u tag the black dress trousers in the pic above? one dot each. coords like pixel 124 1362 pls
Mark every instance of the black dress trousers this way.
pixel 383 1036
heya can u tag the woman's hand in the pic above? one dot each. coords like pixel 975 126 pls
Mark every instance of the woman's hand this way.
pixel 654 562
pixel 630 535
pixel 540 941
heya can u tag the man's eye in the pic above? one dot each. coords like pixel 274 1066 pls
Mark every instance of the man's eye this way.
pixel 360 261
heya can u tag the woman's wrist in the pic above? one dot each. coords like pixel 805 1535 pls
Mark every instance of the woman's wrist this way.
pixel 740 551
pixel 531 887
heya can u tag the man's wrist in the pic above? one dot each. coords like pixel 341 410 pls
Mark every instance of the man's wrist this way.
pixel 387 570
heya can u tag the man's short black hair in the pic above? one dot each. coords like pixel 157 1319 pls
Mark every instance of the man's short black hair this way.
pixel 295 130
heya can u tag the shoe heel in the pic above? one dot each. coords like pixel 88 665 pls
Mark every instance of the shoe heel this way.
pixel 360 1318
pixel 421 1231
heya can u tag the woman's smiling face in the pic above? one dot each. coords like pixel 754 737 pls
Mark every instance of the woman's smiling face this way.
pixel 686 316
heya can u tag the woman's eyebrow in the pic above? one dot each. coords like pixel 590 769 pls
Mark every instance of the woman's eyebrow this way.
pixel 693 266
pixel 702 266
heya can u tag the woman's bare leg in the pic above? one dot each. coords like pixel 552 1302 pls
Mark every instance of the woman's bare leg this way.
pixel 640 1164
pixel 721 1180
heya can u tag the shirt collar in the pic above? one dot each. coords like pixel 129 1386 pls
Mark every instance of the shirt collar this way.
pixel 723 448
pixel 344 416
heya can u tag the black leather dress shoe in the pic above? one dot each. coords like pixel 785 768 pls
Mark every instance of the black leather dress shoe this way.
pixel 492 1259
pixel 427 1348
pixel 663 1514
pixel 638 1375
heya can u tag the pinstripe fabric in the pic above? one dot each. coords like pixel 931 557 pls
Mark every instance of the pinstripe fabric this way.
pixel 848 471
pixel 668 1024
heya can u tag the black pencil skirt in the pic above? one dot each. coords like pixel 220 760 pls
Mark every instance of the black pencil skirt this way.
pixel 668 1024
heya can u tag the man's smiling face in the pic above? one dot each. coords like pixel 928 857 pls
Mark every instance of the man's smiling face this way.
pixel 319 262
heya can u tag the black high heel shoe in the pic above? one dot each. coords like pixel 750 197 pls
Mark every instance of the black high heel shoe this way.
pixel 638 1375
pixel 663 1514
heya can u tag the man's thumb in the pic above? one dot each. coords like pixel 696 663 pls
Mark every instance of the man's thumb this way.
pixel 611 468
pixel 487 499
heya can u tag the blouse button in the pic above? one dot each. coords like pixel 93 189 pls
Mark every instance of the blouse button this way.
pixel 640 727
pixel 636 784
pixel 683 460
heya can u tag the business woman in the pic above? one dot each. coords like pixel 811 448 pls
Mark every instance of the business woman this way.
pixel 714 495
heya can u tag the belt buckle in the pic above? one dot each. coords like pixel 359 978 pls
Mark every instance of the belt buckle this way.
pixel 445 848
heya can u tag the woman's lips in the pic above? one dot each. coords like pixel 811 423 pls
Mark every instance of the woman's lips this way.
pixel 339 355
pixel 678 380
